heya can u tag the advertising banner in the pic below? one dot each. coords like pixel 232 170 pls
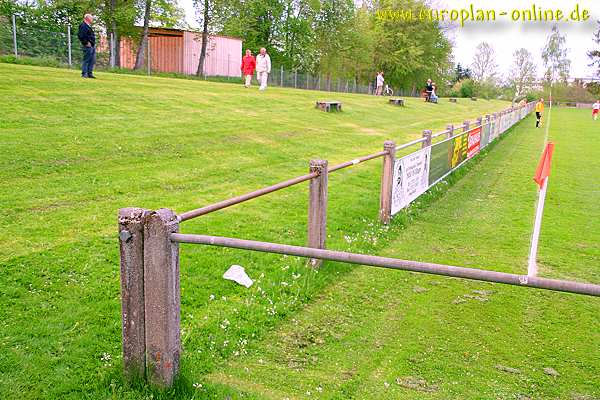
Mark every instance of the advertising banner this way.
pixel 474 142
pixel 411 178
pixel 441 156
pixel 459 150
pixel 485 135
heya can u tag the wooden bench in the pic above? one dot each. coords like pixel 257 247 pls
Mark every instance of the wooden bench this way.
pixel 329 105
pixel 397 102
pixel 453 100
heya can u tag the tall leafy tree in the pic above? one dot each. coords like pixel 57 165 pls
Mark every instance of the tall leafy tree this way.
pixel 594 54
pixel 484 66
pixel 523 73
pixel 139 58
pixel 554 55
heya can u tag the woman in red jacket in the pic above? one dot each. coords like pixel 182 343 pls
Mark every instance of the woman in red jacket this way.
pixel 248 66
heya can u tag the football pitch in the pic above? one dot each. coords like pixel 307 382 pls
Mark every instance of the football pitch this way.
pixel 74 152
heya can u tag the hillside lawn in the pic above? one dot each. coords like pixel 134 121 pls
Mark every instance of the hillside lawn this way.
pixel 75 151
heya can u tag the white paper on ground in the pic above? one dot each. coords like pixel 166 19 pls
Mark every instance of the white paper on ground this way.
pixel 237 274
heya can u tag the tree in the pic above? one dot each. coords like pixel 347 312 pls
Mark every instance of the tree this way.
pixel 522 73
pixel 554 55
pixel 594 55
pixel 139 58
pixel 484 65
pixel 461 73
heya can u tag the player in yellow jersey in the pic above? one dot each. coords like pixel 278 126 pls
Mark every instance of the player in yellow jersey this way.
pixel 539 109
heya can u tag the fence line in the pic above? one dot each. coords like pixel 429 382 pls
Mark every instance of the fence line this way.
pixel 149 243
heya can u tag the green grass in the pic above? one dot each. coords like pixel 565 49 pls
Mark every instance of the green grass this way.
pixel 75 151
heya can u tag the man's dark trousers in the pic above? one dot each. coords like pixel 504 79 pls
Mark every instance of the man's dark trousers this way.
pixel 89 60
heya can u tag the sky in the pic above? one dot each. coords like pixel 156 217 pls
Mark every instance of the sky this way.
pixel 505 35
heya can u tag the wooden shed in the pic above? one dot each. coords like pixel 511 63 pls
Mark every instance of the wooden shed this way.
pixel 175 50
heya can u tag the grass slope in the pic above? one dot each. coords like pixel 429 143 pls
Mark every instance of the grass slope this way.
pixel 386 334
pixel 75 151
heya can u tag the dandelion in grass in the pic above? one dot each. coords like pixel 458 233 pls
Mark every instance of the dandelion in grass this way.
pixel 225 324
pixel 319 389
pixel 211 297
pixel 197 385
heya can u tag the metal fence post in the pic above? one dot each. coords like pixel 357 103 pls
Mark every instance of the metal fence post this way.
pixel 281 77
pixel 69 45
pixel 387 177
pixel 450 129
pixel 427 135
pixel 317 208
pixel 161 297
pixel 131 244
pixel 14 23
pixel 148 54
pixel 296 79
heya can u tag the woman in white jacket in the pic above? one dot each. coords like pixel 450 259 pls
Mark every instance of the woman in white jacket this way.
pixel 263 68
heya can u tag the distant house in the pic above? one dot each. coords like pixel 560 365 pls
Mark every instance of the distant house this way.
pixel 176 50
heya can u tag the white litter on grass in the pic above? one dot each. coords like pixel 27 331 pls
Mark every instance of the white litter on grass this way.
pixel 237 274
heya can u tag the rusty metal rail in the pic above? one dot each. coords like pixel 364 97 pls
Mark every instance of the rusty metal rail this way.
pixel 393 263
pixel 270 189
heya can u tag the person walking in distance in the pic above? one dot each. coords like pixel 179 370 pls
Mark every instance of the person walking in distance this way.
pixel 88 42
pixel 380 80
pixel 248 66
pixel 539 110
pixel 263 68
pixel 596 109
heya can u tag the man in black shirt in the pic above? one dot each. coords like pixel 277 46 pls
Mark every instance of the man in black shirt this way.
pixel 88 42
pixel 429 90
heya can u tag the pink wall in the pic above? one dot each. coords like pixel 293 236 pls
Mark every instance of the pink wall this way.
pixel 223 55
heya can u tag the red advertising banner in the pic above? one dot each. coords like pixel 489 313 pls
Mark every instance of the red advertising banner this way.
pixel 474 142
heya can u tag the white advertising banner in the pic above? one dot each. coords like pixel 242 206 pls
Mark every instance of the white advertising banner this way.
pixel 411 178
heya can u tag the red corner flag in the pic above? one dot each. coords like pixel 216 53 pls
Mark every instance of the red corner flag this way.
pixel 543 169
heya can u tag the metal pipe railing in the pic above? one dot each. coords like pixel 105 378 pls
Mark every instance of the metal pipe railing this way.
pixel 245 197
pixel 393 263
pixel 294 181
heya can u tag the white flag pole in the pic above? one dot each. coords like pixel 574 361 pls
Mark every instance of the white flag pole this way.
pixel 532 267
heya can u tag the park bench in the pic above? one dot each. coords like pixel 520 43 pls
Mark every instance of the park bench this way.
pixel 329 105
pixel 397 102
pixel 453 100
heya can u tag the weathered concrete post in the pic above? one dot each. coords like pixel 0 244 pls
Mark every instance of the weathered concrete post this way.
pixel 317 208
pixel 131 247
pixel 387 176
pixel 450 129
pixel 427 142
pixel 466 125
pixel 162 297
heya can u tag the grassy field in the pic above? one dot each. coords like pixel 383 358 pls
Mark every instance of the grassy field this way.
pixel 74 152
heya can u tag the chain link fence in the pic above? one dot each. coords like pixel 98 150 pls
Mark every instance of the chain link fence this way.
pixel 63 47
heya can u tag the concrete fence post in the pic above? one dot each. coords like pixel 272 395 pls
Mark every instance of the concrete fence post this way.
pixel 450 130
pixel 466 125
pixel 161 297
pixel 427 136
pixel 295 79
pixel 317 208
pixel 387 177
pixel 281 77
pixel 131 248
